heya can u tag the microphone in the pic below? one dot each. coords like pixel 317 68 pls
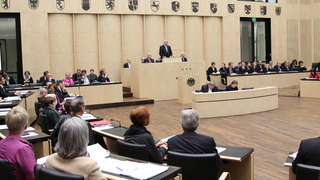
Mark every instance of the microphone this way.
pixel 187 71
pixel 118 122
pixel 191 71
pixel 183 71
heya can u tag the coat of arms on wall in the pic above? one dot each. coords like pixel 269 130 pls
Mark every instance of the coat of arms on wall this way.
pixel 33 4
pixel 278 11
pixel 213 7
pixel 247 9
pixel 195 6
pixel 154 5
pixel 110 5
pixel 5 4
pixel 60 4
pixel 86 5
pixel 263 10
pixel 133 5
pixel 175 6
pixel 231 8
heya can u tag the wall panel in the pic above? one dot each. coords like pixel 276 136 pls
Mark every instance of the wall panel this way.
pixel 316 40
pixel 293 39
pixel 212 40
pixel 175 34
pixel 154 33
pixel 194 36
pixel 305 41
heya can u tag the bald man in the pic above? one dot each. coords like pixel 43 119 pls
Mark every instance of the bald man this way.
pixel 148 59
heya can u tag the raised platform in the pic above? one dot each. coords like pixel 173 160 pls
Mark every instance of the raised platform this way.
pixel 128 101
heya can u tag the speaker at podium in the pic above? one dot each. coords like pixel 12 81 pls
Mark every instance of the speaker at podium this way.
pixel 187 83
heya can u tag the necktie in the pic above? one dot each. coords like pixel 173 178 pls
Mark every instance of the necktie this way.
pixel 149 61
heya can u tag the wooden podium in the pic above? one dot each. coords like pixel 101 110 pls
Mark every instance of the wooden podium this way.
pixel 170 60
pixel 186 85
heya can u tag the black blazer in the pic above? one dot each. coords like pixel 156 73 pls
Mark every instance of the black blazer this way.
pixel 126 65
pixel 164 53
pixel 147 60
pixel 205 89
pixel 211 70
pixel 222 69
pixel 23 80
pixel 229 88
pixel 62 94
pixel 258 69
pixel 45 81
pixel 92 78
pixel 11 81
pixel 55 132
pixel 302 68
pixel 192 143
pixel 184 59
pixel 42 79
pixel 140 135
pixel 228 70
pixel 103 79
pixel 4 93
pixel 242 70
pixel 75 77
pixel 277 68
pixel 309 153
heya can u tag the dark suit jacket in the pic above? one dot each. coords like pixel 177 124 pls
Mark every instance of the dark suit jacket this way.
pixel 140 135
pixel 4 93
pixel 31 80
pixel 242 70
pixel 211 70
pixel 309 153
pixel 92 78
pixel 62 94
pixel 42 79
pixel 222 70
pixel 228 71
pixel 54 134
pixel 45 81
pixel 192 143
pixel 184 60
pixel 205 88
pixel 277 68
pixel 126 65
pixel 11 81
pixel 103 79
pixel 229 88
pixel 258 69
pixel 75 77
pixel 147 60
pixel 164 53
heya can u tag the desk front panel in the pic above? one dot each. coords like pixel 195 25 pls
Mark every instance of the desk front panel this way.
pixel 310 88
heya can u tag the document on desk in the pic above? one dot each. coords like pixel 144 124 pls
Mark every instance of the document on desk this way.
pixel 167 138
pixel 12 98
pixel 5 109
pixel 132 169
pixel 3 113
pixel 24 92
pixel 293 155
pixel 97 152
pixel 30 134
pixel 220 149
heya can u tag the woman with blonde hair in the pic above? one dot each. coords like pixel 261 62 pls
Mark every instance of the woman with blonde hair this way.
pixel 183 57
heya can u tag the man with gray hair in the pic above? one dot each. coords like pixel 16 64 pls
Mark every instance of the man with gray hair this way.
pixel 211 87
pixel 165 50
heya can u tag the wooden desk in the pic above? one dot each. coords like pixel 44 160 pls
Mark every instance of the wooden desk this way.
pixel 159 81
pixel 280 80
pixel 310 88
pixel 288 163
pixel 126 77
pixel 229 103
pixel 217 79
pixel 41 144
pixel 112 135
pixel 171 173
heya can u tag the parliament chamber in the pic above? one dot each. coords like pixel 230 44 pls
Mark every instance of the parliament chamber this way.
pixel 101 61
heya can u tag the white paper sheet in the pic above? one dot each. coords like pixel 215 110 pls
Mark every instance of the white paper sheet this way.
pixel 294 155
pixel 220 149
pixel 103 127
pixel 30 134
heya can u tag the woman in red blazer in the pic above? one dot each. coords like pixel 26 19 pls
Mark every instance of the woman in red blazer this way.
pixel 314 74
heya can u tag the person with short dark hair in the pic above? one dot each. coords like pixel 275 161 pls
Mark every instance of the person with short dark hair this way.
pixel 233 86
pixel 301 67
pixel 314 74
pixel 243 69
pixel 44 77
pixel 61 91
pixel 260 67
pixel 14 148
pixel 92 76
pixel 223 68
pixel 103 76
pixel 27 79
pixel 127 64
pixel 52 114
pixel 278 67
pixel 138 134
pixel 71 151
pixel 211 70
pixel 230 70
pixel 237 67
pixel 76 77
pixel 209 88
pixel 9 80
pixel 49 79
pixel 3 92
pixel 250 69
pixel 84 79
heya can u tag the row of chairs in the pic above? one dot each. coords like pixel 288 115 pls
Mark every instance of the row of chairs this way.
pixel 224 89
pixel 41 118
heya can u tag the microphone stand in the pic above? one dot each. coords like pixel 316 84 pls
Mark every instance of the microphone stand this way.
pixel 119 126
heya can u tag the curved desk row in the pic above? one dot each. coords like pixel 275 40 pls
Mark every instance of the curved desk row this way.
pixel 310 88
pixel 230 103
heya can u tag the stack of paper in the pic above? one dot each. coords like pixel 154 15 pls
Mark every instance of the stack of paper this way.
pixel 12 98
pixel 294 155
pixel 3 113
pixel 23 92
pixel 88 116
pixel 30 134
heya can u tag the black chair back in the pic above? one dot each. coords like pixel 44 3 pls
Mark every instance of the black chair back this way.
pixel 43 123
pixel 42 173
pixel 222 89
pixel 308 172
pixel 38 81
pixel 15 85
pixel 223 76
pixel 195 166
pixel 198 91
pixel 37 107
pixel 137 151
pixel 5 170
pixel 35 84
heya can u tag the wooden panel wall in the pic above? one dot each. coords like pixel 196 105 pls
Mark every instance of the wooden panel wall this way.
pixel 316 40
pixel 293 39
pixel 212 40
pixel 305 40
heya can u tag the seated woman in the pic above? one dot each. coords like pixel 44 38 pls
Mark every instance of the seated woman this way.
pixel 286 66
pixel 233 86
pixel 52 89
pixel 14 148
pixel 314 74
pixel 223 68
pixel 42 95
pixel 27 79
pixel 71 151
pixel 68 81
pixel 301 67
pixel 294 65
pixel 271 66
pixel 254 67
pixel 52 114
pixel 183 57
pixel 138 134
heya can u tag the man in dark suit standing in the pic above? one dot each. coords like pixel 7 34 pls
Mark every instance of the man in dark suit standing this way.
pixel 148 59
pixel 165 50
pixel 260 67
pixel 127 64
pixel 230 70
pixel 92 76
pixel 211 87
pixel 309 153
pixel 76 77
pixel 190 141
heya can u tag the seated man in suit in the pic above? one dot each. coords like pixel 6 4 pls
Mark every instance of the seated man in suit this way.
pixel 84 79
pixel 309 153
pixel 148 59
pixel 230 70
pixel 61 90
pixel 237 67
pixel 43 77
pixel 243 69
pixel 3 92
pixel 233 86
pixel 92 76
pixel 127 64
pixel 165 50
pixel 190 141
pixel 211 70
pixel 211 87
pixel 277 67
pixel 9 79
pixel 76 77
pixel 103 76
pixel 260 67
pixel 49 79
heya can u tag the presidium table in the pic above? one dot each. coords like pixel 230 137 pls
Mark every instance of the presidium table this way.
pixel 310 88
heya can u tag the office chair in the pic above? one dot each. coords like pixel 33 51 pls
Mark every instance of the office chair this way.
pixel 198 90
pixel 35 84
pixel 15 85
pixel 43 123
pixel 222 89
pixel 5 170
pixel 137 151
pixel 195 166
pixel 42 173
pixel 223 78
pixel 307 172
